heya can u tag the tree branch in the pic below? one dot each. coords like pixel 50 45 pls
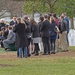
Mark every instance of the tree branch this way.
pixel 54 3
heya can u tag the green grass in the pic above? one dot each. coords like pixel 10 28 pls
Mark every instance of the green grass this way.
pixel 1 50
pixel 72 48
pixel 38 66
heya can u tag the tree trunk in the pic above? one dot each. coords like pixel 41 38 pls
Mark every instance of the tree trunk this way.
pixel 72 24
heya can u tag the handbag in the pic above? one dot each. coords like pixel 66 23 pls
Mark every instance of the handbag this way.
pixel 56 29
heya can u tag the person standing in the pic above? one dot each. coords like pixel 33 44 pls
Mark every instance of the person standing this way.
pixel 46 35
pixel 53 34
pixel 68 27
pixel 21 38
pixel 41 43
pixel 63 33
pixel 57 39
pixel 35 35
pixel 28 32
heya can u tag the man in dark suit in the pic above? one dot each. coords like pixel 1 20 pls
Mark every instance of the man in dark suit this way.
pixel 13 22
pixel 45 35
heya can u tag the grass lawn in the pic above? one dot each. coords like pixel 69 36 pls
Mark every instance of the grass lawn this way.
pixel 72 48
pixel 38 66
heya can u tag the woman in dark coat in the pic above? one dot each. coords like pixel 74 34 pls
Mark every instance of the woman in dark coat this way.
pixel 35 35
pixel 53 34
pixel 21 38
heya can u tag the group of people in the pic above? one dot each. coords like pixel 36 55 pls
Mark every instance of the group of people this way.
pixel 31 37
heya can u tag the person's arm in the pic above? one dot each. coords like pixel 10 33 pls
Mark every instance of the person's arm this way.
pixel 42 27
pixel 32 28
pixel 11 34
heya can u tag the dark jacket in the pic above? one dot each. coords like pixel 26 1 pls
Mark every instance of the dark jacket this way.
pixel 40 25
pixel 63 26
pixel 2 25
pixel 13 23
pixel 21 38
pixel 45 28
pixel 35 31
pixel 28 30
pixel 53 33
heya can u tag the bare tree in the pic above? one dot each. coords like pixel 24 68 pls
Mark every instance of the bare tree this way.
pixel 13 6
pixel 51 4
pixel 2 5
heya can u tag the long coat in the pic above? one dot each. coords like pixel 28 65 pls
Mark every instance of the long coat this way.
pixel 21 37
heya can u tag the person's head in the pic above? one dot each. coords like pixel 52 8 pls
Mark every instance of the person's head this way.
pixel 14 18
pixel 46 16
pixel 32 21
pixel 64 14
pixel 49 15
pixel 54 15
pixel 9 27
pixel 26 18
pixel 61 17
pixel 2 29
pixel 41 18
pixel 18 20
pixel 51 19
pixel 1 21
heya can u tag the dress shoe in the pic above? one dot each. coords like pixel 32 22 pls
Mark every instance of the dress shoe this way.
pixel 29 55
pixel 44 54
pixel 36 54
pixel 52 52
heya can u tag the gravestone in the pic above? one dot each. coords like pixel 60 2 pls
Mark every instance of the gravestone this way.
pixel 36 16
pixel 71 37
